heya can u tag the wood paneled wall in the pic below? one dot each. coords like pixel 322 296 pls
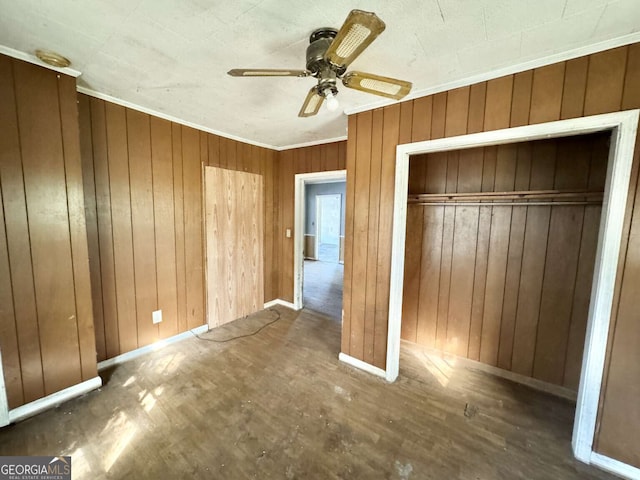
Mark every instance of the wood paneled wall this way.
pixel 318 158
pixel 507 286
pixel 599 83
pixel 144 210
pixel 46 325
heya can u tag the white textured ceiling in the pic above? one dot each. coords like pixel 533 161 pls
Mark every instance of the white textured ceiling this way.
pixel 172 56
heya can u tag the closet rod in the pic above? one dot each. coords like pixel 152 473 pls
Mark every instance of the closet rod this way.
pixel 505 204
pixel 513 195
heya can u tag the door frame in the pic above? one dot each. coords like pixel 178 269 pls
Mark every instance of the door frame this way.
pixel 302 179
pixel 623 126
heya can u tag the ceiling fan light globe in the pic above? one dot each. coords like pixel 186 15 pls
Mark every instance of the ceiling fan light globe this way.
pixel 332 103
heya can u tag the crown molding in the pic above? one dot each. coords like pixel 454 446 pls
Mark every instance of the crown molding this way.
pixel 312 143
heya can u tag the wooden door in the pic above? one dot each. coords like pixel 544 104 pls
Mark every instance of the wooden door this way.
pixel 234 242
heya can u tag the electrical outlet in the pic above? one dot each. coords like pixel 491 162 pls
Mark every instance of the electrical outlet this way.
pixel 156 316
pixel 288 233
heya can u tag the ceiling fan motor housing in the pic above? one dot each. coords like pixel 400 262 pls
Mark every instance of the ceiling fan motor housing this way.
pixel 319 67
pixel 319 42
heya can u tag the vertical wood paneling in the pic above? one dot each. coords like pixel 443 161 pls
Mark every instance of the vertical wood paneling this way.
pixel 448 235
pixel 390 130
pixel 605 81
pixel 534 253
pixel 421 130
pixel 584 276
pixel 120 195
pixel 178 203
pixel 372 234
pixel 421 122
pixel 342 156
pixel 477 97
pixel 631 91
pixel 347 328
pixel 521 102
pixel 436 182
pixel 91 218
pixel 620 414
pixel 266 162
pixel 286 204
pixel 8 332
pixel 142 221
pixel 360 233
pixel 546 93
pixel 8 329
pixel 77 226
pixel 514 260
pixel 164 225
pixel 192 185
pixel 438 116
pixel 498 254
pixel 214 151
pixel 482 255
pixel 457 112
pixel 46 315
pixel 498 103
pixel 575 84
pixel 46 197
pixel 565 231
pixel 464 255
pixel 105 244
pixel 17 232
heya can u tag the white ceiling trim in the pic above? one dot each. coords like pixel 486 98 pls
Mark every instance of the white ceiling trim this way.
pixel 27 57
pixel 312 144
pixel 510 70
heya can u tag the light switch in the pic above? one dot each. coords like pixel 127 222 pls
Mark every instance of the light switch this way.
pixel 156 316
pixel 288 233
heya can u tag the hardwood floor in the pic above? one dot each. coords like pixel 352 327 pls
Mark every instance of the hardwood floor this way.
pixel 322 288
pixel 279 405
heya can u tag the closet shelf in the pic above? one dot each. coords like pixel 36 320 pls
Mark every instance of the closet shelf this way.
pixel 523 197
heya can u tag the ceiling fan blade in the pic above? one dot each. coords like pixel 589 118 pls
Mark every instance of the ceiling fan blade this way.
pixel 358 31
pixel 376 84
pixel 266 72
pixel 312 103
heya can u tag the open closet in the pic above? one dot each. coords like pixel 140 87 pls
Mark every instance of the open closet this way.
pixel 500 251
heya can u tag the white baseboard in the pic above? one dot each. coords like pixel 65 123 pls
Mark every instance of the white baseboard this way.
pixel 33 408
pixel 615 466
pixel 281 302
pixel 125 357
pixel 367 367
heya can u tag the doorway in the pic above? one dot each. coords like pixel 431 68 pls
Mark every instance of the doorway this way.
pixel 623 126
pixel 319 242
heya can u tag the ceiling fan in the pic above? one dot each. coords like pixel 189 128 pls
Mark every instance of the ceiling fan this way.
pixel 329 53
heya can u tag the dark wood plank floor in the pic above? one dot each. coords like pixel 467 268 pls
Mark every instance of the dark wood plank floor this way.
pixel 279 405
